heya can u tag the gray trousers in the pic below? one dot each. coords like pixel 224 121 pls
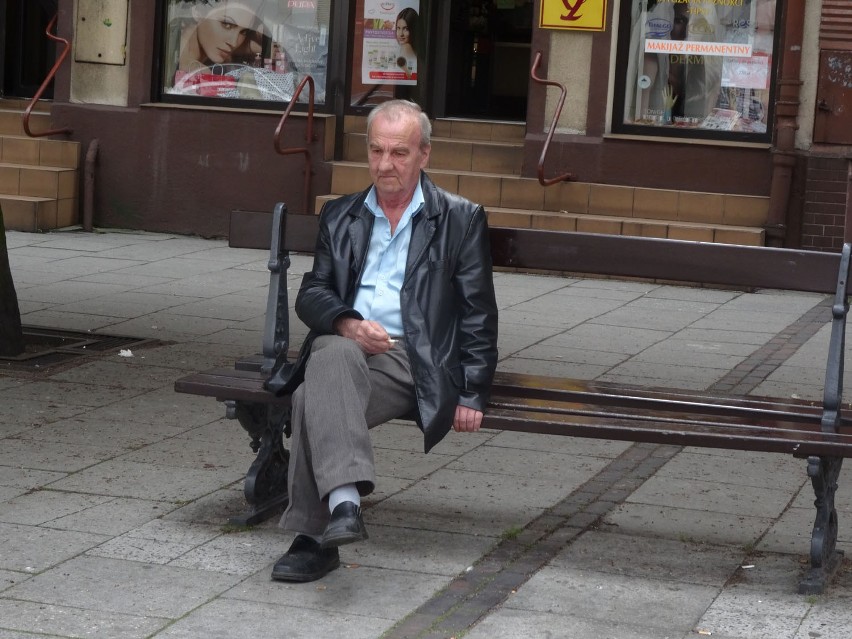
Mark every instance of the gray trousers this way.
pixel 345 393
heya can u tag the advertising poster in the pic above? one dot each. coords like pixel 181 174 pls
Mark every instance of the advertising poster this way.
pixel 390 47
pixel 245 49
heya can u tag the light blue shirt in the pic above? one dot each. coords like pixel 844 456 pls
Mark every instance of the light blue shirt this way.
pixel 378 296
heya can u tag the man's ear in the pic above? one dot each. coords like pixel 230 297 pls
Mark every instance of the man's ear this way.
pixel 426 151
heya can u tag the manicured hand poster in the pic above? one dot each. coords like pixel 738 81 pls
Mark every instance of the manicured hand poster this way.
pixel 390 48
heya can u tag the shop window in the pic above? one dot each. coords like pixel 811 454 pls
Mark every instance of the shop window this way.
pixel 696 68
pixel 257 50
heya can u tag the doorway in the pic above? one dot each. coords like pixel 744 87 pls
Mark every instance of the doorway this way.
pixel 474 61
pixel 488 65
pixel 28 54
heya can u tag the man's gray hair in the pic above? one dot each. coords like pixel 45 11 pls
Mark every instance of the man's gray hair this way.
pixel 395 110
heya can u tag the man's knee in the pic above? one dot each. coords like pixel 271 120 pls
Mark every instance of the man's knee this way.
pixel 334 346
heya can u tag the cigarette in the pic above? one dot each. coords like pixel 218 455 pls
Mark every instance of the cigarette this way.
pixel 392 340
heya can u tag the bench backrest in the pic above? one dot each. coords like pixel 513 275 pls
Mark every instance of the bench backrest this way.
pixel 651 258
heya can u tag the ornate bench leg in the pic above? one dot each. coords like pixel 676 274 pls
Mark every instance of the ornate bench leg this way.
pixel 825 558
pixel 266 480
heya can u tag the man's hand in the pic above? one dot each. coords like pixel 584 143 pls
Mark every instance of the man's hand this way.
pixel 371 336
pixel 467 420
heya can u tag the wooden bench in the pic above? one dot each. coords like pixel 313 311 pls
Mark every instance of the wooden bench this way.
pixel 555 406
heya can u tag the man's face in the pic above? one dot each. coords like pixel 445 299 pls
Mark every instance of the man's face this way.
pixel 395 156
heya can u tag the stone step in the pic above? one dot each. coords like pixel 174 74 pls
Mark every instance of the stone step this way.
pixel 588 199
pixel 483 156
pixel 11 122
pixel 456 128
pixel 34 214
pixel 39 152
pixel 615 225
pixel 38 181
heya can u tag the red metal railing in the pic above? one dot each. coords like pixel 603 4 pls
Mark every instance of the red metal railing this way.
pixel 309 134
pixel 557 112
pixel 64 54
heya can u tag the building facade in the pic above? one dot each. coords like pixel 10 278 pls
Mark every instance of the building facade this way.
pixel 716 102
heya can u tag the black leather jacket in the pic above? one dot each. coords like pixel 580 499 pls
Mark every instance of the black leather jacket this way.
pixel 449 312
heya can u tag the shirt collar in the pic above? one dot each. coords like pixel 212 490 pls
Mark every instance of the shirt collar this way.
pixel 413 208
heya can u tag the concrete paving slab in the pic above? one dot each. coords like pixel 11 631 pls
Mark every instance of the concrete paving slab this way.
pixel 408 464
pixel 603 338
pixel 27 478
pixel 19 415
pixel 41 506
pixel 75 392
pixel 508 623
pixel 160 410
pixel 553 368
pixel 120 478
pixel 405 548
pixel 238 619
pixel 752 614
pixel 643 317
pixel 113 517
pixel 551 352
pixel 126 279
pixel 214 508
pixel 68 291
pixel 558 444
pixel 827 617
pixel 123 587
pixel 105 428
pixel 651 558
pixel 569 470
pixel 352 589
pixel 55 621
pixel 694 293
pixel 34 549
pixel 404 510
pixel 52 456
pixel 762 470
pixel 642 603
pixel 51 318
pixel 86 265
pixel 712 497
pixel 192 356
pixel 119 376
pixel 755 337
pixel 737 320
pixel 688 525
pixel 128 304
pixel 237 553
pixel 193 453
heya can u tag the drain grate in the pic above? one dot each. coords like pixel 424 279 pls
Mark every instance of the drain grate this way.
pixel 47 348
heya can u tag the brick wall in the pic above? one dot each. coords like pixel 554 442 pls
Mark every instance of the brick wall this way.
pixel 824 206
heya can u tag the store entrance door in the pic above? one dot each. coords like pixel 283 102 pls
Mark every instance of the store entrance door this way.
pixel 488 59
pixel 28 54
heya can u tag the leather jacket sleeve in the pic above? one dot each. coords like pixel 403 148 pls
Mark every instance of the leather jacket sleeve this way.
pixel 477 314
pixel 320 300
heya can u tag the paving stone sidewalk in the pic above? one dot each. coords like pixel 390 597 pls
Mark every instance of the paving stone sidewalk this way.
pixel 115 491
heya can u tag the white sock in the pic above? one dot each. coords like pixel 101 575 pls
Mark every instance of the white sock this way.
pixel 347 492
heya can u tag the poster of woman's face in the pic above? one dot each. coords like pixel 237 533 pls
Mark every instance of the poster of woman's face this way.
pixel 247 49
pixel 390 49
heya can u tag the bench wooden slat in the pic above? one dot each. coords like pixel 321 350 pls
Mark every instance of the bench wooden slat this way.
pixel 681 433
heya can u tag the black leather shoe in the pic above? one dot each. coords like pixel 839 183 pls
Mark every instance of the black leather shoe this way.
pixel 305 561
pixel 345 526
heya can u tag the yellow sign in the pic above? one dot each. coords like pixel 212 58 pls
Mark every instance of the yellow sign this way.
pixel 587 15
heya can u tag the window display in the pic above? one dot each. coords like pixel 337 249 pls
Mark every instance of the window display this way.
pixel 699 64
pixel 245 49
